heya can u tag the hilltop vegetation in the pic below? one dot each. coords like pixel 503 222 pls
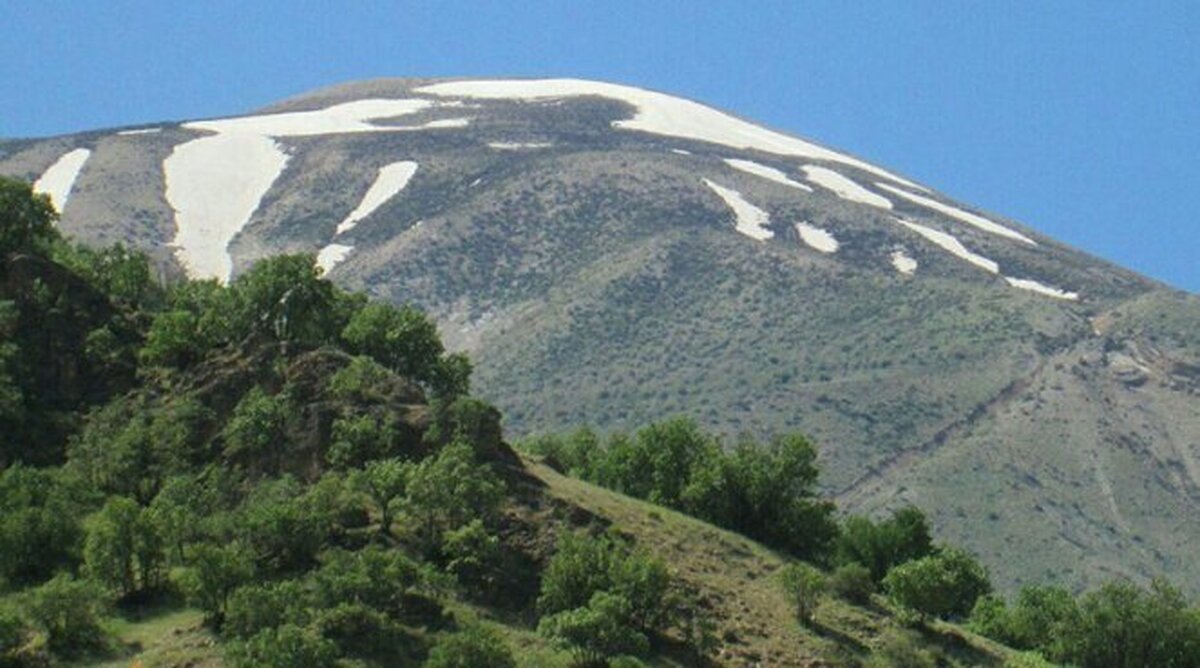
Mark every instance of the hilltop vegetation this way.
pixel 280 473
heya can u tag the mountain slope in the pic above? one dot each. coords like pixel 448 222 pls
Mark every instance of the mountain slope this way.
pixel 610 255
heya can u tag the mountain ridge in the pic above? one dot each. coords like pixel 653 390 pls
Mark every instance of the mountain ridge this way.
pixel 609 274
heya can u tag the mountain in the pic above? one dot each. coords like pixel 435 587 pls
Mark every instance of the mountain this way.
pixel 610 255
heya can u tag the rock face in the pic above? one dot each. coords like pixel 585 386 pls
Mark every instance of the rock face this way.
pixel 610 255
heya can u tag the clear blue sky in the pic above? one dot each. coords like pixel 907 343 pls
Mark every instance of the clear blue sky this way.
pixel 1081 119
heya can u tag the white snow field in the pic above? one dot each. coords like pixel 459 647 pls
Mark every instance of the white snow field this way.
pixel 658 113
pixel 769 173
pixel 216 182
pixel 844 187
pixel 1040 288
pixel 903 262
pixel 142 131
pixel 680 151
pixel 59 178
pixel 750 220
pixel 517 146
pixel 329 256
pixel 390 180
pixel 951 244
pixel 955 212
pixel 817 238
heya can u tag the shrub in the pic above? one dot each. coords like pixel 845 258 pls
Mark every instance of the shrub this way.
pixel 213 573
pixel 601 630
pixel 123 549
pixel 69 611
pixel 852 582
pixel 903 537
pixel 469 648
pixel 288 646
pixel 254 608
pixel 901 649
pixel 945 585
pixel 804 585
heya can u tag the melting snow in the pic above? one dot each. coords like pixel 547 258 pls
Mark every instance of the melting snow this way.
pixel 681 151
pixel 142 131
pixel 751 220
pixel 517 146
pixel 661 114
pixel 216 182
pixel 331 255
pixel 1034 286
pixel 769 173
pixel 817 238
pixel 391 180
pixel 955 212
pixel 844 187
pixel 903 263
pixel 951 244
pixel 60 177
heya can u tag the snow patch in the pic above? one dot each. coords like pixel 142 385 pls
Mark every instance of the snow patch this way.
pixel 390 180
pixel 517 146
pixel 817 238
pixel 769 173
pixel 951 244
pixel 331 255
pixel 142 131
pixel 660 114
pixel 844 187
pixel 216 182
pixel 59 178
pixel 1040 288
pixel 903 262
pixel 680 151
pixel 955 212
pixel 750 220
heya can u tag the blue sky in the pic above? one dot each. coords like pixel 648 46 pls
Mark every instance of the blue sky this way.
pixel 1080 119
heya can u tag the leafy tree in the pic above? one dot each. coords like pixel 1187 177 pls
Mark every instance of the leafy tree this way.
pixel 198 318
pixel 473 646
pixel 379 578
pixel 902 537
pixel 598 631
pixel 946 584
pixel 39 530
pixel 852 582
pixel 574 453
pixel 255 434
pixel 284 298
pixel 583 565
pixel 804 585
pixel 282 526
pixel 213 573
pixel 1123 626
pixel 400 338
pixel 257 607
pixel 356 440
pixel 473 555
pixel 26 219
pixel 385 482
pixel 1041 618
pixel 123 549
pixel 287 646
pixel 119 272
pixel 447 490
pixel 69 612
pixel 452 376
pixel 363 380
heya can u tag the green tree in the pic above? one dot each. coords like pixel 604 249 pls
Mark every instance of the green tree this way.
pixel 447 490
pixel 1123 626
pixel 852 582
pixel 358 439
pixel 123 549
pixel 287 646
pixel 385 482
pixel 902 537
pixel 601 630
pixel 946 584
pixel 69 612
pixel 39 529
pixel 285 298
pixel 26 219
pixel 377 577
pixel 474 646
pixel 254 435
pixel 804 586
pixel 257 607
pixel 213 573
pixel 400 338
pixel 473 555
